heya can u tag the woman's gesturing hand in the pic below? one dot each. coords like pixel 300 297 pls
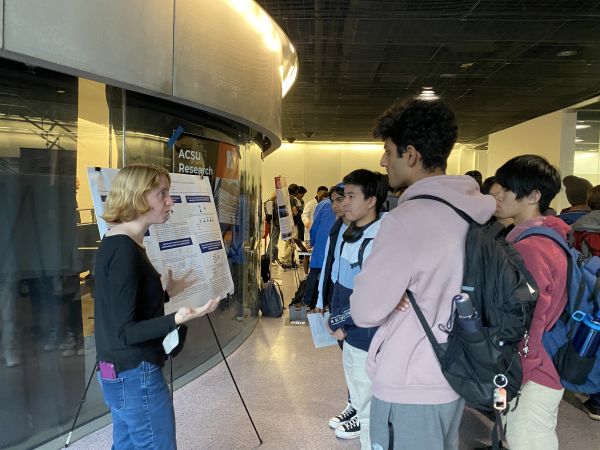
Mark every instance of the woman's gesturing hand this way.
pixel 175 286
pixel 188 313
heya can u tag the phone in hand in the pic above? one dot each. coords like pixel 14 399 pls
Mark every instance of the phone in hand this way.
pixel 107 370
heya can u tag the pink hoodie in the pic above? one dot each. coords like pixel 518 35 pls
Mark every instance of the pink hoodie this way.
pixel 419 247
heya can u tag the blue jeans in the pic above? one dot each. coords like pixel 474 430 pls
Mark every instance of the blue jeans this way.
pixel 141 409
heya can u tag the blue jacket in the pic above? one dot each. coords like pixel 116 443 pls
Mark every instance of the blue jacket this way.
pixel 323 220
pixel 345 268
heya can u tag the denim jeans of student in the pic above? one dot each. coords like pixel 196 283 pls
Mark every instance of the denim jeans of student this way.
pixel 141 409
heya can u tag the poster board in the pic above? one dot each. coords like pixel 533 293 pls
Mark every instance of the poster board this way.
pixel 190 239
pixel 284 209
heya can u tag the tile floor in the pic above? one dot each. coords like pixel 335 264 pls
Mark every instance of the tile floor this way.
pixel 291 389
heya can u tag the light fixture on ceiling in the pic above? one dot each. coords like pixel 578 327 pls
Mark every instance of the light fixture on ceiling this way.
pixel 578 140
pixel 466 65
pixel 565 53
pixel 581 127
pixel 60 91
pixel 427 93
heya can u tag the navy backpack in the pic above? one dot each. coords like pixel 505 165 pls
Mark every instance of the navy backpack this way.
pixel 271 300
pixel 577 374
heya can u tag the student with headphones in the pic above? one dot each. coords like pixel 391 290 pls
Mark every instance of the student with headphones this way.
pixel 364 194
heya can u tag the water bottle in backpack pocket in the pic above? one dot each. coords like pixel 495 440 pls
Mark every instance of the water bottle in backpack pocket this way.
pixel 587 337
pixel 575 360
pixel 467 316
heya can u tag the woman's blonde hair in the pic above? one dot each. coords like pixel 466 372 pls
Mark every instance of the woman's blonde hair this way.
pixel 127 197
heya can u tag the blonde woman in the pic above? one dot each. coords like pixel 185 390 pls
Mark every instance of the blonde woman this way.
pixel 130 322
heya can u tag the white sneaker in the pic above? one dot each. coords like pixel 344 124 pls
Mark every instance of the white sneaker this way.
pixel 350 430
pixel 345 416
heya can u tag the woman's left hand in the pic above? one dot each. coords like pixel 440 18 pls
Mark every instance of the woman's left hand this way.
pixel 177 285
pixel 188 313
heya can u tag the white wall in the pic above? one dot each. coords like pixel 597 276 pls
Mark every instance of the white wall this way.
pixel 312 164
pixel 551 136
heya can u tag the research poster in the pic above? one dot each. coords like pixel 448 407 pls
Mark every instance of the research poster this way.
pixel 189 240
pixel 284 210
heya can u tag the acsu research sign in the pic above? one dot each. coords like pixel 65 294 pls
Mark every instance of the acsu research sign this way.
pixel 187 162
pixel 195 155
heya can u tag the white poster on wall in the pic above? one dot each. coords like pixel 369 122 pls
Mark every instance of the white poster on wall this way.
pixel 284 210
pixel 189 240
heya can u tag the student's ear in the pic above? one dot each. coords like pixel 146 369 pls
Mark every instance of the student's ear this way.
pixel 534 197
pixel 412 156
pixel 372 201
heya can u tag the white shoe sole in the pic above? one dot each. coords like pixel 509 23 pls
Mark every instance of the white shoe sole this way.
pixel 347 435
pixel 334 424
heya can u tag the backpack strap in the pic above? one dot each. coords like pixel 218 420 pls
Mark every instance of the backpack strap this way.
pixel 434 343
pixel 460 212
pixel 495 227
pixel 361 252
pixel 327 284
pixel 549 233
pixel 562 243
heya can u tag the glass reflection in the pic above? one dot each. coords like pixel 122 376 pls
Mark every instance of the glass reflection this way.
pixel 52 128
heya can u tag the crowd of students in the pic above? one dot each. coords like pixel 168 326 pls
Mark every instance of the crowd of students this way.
pixel 367 261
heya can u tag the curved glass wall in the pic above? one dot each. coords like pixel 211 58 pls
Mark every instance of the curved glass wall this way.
pixel 52 127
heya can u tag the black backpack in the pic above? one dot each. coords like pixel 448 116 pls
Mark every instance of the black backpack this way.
pixel 504 294
pixel 270 300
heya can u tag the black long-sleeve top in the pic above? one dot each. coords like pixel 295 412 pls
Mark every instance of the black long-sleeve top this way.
pixel 129 305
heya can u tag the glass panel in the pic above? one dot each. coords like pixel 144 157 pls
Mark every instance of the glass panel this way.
pixel 41 375
pixel 587 144
pixel 52 128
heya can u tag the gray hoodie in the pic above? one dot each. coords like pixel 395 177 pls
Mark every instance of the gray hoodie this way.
pixel 589 222
pixel 420 247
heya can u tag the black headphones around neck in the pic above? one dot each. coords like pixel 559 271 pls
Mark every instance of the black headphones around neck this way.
pixel 354 233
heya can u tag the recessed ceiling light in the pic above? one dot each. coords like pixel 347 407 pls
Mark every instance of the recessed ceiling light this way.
pixel 466 65
pixel 578 140
pixel 581 127
pixel 60 91
pixel 566 53
pixel 427 93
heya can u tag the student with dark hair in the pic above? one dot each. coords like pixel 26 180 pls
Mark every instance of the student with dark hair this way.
pixel 324 218
pixel 529 183
pixel 487 184
pixel 286 260
pixel 331 211
pixel 586 238
pixel 420 248
pixel 477 176
pixel 576 190
pixel 298 217
pixel 310 207
pixel 339 223
pixel 364 194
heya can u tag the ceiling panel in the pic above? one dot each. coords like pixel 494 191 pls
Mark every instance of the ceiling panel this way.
pixel 496 62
